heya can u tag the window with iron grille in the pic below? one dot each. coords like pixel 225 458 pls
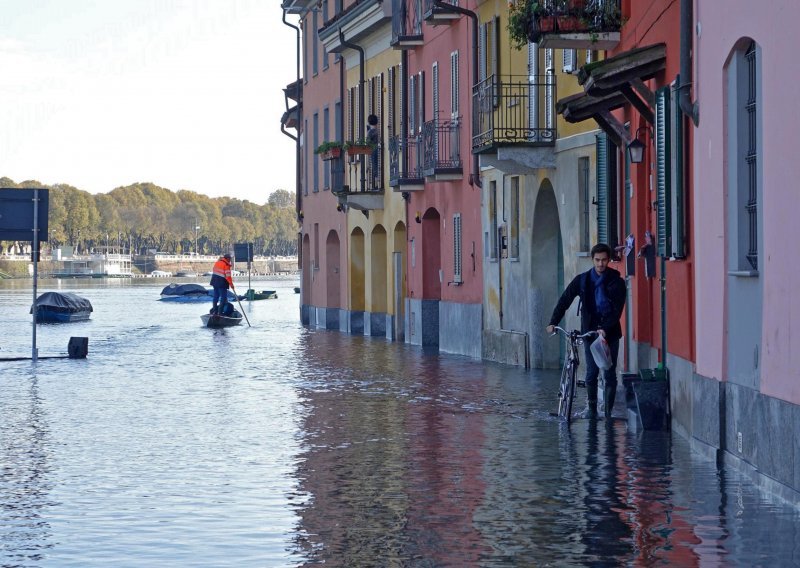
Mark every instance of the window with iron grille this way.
pixel 583 191
pixel 457 277
pixel 513 244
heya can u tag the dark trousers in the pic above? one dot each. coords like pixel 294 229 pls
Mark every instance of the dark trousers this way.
pixel 593 371
pixel 221 295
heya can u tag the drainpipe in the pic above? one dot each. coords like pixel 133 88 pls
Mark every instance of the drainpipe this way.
pixel 361 129
pixel 690 109
pixel 475 177
pixel 298 198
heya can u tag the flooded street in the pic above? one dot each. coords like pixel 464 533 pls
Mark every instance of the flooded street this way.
pixel 275 445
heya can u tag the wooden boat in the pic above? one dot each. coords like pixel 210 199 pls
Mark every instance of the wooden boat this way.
pixel 60 307
pixel 191 293
pixel 217 320
pixel 297 290
pixel 262 295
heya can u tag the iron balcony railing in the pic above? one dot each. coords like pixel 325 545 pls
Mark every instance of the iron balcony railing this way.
pixel 406 21
pixel 575 16
pixel 514 109
pixel 358 174
pixel 405 164
pixel 441 147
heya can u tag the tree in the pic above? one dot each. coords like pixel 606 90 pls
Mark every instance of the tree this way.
pixel 281 198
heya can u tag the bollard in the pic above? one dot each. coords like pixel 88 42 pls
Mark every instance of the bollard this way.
pixel 78 347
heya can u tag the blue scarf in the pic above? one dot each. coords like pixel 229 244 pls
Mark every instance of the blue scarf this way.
pixel 601 302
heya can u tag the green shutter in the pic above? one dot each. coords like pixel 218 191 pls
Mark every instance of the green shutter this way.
pixel 663 172
pixel 602 188
pixel 677 177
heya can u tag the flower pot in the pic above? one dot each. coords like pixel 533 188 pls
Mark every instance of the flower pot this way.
pixel 359 150
pixel 569 24
pixel 332 154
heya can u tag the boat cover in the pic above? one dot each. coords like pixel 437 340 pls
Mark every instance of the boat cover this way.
pixel 64 302
pixel 184 290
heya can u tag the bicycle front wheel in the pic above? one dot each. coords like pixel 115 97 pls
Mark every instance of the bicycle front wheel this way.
pixel 570 394
pixel 566 391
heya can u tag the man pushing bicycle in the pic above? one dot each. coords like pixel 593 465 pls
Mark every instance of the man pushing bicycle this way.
pixel 602 298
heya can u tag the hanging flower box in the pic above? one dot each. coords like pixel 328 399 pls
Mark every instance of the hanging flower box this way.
pixel 329 150
pixel 332 154
pixel 359 148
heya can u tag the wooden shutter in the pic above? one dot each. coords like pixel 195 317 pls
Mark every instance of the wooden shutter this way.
pixel 678 205
pixel 435 87
pixel 482 33
pixel 421 99
pixel 457 277
pixel 454 94
pixel 390 125
pixel 601 147
pixel 412 104
pixel 663 171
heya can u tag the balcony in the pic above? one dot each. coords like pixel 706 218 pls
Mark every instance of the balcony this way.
pixel 405 165
pixel 513 110
pixel 358 180
pixel 435 12
pixel 573 24
pixel 406 24
pixel 441 150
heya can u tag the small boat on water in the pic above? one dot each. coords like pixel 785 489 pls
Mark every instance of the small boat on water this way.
pixel 297 289
pixel 219 320
pixel 262 295
pixel 190 293
pixel 185 274
pixel 59 307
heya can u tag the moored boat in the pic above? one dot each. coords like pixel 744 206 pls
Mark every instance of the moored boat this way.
pixel 191 293
pixel 296 289
pixel 262 295
pixel 59 307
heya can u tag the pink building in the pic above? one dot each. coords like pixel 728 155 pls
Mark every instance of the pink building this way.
pixel 746 391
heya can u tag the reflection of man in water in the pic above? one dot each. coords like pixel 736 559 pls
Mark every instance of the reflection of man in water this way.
pixel 374 138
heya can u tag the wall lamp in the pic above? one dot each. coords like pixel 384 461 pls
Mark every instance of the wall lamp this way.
pixel 636 147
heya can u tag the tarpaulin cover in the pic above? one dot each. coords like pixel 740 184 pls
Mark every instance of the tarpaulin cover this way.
pixel 65 302
pixel 184 290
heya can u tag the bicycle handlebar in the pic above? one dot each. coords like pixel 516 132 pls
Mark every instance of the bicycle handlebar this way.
pixel 569 334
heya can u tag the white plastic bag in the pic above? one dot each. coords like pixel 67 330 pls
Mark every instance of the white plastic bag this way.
pixel 601 353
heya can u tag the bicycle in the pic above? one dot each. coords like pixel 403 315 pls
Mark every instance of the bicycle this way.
pixel 569 373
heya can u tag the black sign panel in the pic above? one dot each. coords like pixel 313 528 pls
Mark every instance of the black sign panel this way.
pixel 243 252
pixel 16 214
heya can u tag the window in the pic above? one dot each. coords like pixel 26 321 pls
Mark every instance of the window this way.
pixel 306 152
pixel 514 221
pixel 326 136
pixel 316 246
pixel 412 104
pixel 751 155
pixel 435 87
pixel 316 156
pixel 324 20
pixel 392 93
pixel 351 111
pixel 589 56
pixel 454 105
pixel 315 45
pixel 583 196
pixel 457 277
pixel 671 212
pixel 570 57
pixel 549 91
pixel 606 191
pixel 492 248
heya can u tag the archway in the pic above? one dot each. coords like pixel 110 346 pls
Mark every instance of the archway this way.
pixel 399 278
pixel 547 267
pixel 306 265
pixel 357 300
pixel 431 255
pixel 333 276
pixel 378 271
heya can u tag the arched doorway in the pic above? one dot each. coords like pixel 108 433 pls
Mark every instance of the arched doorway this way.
pixel 431 255
pixel 333 278
pixel 357 284
pixel 398 285
pixel 306 279
pixel 547 267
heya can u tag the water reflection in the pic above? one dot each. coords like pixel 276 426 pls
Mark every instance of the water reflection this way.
pixel 25 486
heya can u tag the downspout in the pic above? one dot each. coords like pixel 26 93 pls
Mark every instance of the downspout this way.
pixel 475 177
pixel 361 129
pixel 298 198
pixel 690 109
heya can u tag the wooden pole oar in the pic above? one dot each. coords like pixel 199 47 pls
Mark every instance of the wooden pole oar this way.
pixel 240 307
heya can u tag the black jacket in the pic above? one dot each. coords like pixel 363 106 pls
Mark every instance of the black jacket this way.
pixel 583 287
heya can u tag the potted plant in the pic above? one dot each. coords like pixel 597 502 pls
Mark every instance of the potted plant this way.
pixel 360 147
pixel 329 150
pixel 521 16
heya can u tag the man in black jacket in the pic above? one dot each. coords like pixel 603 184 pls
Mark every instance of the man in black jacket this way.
pixel 602 298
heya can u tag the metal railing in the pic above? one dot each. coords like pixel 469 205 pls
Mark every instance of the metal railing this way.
pixel 514 109
pixel 405 164
pixel 577 16
pixel 441 146
pixel 406 19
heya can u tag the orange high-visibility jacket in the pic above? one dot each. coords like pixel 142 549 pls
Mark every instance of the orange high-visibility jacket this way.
pixel 222 268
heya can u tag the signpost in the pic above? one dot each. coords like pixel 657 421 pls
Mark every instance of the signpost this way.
pixel 244 251
pixel 23 217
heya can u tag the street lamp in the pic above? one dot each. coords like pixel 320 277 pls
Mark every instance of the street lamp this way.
pixel 196 228
pixel 636 147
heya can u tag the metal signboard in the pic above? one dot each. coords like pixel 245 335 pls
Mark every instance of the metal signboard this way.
pixel 243 252
pixel 16 214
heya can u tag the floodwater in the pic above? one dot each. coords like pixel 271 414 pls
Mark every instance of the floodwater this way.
pixel 276 445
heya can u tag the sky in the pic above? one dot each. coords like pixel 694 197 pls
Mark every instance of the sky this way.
pixel 186 94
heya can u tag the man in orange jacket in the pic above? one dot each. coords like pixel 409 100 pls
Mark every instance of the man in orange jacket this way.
pixel 221 280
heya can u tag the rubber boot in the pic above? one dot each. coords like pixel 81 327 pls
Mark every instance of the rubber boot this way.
pixel 591 403
pixel 609 394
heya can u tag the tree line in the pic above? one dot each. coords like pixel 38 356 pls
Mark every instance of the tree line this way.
pixel 144 216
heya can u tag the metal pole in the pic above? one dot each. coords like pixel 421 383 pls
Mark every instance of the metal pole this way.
pixel 34 350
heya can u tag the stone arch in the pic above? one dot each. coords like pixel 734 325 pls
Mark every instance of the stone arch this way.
pixel 547 271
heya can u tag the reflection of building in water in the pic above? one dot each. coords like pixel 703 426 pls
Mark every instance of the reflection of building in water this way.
pixel 24 485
